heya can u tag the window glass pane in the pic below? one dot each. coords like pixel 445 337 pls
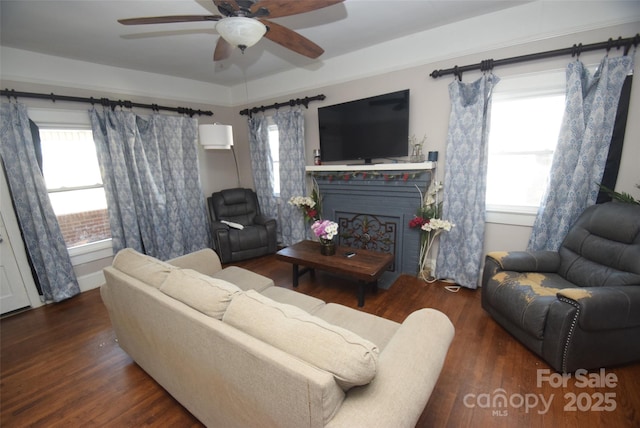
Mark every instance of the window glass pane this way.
pixel 70 162
pixel 82 215
pixel 69 158
pixel 76 201
pixel 274 145
pixel 523 136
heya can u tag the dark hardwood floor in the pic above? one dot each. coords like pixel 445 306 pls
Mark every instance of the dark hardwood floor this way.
pixel 61 366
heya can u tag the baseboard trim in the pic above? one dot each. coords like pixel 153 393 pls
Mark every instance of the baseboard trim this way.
pixel 91 281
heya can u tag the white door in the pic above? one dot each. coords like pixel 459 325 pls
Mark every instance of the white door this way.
pixel 13 293
pixel 13 285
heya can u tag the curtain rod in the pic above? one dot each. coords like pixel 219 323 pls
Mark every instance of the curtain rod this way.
pixel 573 51
pixel 298 101
pixel 106 102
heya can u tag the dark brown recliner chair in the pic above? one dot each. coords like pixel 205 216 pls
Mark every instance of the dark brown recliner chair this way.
pixel 256 235
pixel 579 307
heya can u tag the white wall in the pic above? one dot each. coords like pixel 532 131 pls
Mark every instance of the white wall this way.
pixel 429 100
pixel 430 108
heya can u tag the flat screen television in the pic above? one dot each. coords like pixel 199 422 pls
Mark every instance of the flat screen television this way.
pixel 370 128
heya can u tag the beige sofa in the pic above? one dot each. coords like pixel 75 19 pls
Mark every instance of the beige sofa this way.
pixel 237 351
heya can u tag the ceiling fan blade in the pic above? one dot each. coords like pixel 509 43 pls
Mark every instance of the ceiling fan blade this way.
pixel 169 19
pixel 291 40
pixel 223 50
pixel 278 8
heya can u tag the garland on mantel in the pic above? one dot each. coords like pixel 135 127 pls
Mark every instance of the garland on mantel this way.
pixel 363 175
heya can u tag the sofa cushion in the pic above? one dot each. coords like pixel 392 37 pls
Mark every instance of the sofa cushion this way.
pixel 211 296
pixel 368 326
pixel 205 261
pixel 602 248
pixel 249 238
pixel 307 303
pixel 142 267
pixel 525 298
pixel 243 278
pixel 351 359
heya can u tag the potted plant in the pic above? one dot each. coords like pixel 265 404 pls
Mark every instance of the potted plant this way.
pixel 325 230
pixel 431 225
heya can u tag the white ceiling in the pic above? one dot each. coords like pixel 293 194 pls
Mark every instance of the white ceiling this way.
pixel 87 30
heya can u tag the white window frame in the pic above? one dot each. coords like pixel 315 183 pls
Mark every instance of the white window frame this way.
pixel 76 119
pixel 551 82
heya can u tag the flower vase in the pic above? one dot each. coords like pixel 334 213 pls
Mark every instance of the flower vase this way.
pixel 327 247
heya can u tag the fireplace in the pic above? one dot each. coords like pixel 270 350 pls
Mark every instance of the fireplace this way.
pixel 373 208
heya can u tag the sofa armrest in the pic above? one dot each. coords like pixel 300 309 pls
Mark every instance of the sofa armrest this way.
pixel 408 369
pixel 220 237
pixel 605 308
pixel 526 261
pixel 218 226
pixel 519 261
pixel 271 225
pixel 263 220
pixel 205 261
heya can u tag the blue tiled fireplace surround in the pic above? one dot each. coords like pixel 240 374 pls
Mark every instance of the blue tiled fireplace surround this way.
pixel 374 214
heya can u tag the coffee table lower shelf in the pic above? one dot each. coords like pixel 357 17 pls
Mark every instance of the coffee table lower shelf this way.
pixel 365 266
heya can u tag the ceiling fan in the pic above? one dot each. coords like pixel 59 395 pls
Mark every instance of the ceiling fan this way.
pixel 244 23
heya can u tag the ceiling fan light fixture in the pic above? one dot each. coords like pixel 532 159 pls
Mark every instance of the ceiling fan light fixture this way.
pixel 241 31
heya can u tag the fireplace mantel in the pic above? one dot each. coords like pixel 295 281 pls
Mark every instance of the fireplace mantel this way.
pixel 373 167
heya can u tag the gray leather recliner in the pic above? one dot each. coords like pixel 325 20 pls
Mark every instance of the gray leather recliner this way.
pixel 579 307
pixel 240 206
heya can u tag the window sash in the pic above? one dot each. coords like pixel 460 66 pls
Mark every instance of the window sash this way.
pixel 71 189
pixel 509 161
pixel 60 119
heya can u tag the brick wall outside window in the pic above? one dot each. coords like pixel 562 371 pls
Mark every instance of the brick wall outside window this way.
pixel 84 228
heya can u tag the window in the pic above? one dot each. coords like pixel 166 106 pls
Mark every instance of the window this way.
pixel 74 183
pixel 526 116
pixel 274 145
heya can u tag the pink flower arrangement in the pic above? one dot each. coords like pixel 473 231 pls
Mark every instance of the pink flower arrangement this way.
pixel 325 229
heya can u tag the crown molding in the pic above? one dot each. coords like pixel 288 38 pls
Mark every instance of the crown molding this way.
pixel 517 26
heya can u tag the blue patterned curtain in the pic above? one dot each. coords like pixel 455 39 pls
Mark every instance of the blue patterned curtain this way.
pixel 262 166
pixel 150 173
pixel 40 228
pixel 583 145
pixel 292 174
pixel 465 179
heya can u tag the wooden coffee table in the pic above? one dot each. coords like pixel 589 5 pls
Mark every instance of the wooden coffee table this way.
pixel 365 266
